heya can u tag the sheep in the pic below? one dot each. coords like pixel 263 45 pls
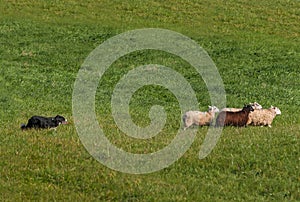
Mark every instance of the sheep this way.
pixel 263 117
pixel 239 118
pixel 199 118
pixel 255 105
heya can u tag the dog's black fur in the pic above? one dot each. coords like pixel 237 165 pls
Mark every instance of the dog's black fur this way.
pixel 44 122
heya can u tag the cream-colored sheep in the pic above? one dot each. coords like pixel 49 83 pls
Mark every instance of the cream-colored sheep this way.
pixel 199 118
pixel 254 105
pixel 263 117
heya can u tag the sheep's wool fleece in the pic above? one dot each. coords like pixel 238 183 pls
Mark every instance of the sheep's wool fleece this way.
pixel 262 117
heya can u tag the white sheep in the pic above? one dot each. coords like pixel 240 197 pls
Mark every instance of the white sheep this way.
pixel 199 118
pixel 254 105
pixel 263 117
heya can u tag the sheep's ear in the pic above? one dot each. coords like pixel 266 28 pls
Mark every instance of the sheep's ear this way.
pixel 272 106
pixel 209 106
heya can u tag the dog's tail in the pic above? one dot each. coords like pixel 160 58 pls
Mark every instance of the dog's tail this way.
pixel 23 126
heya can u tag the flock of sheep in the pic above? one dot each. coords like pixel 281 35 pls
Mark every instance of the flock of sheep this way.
pixel 251 114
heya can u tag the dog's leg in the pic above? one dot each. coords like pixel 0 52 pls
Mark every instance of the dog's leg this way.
pixel 53 128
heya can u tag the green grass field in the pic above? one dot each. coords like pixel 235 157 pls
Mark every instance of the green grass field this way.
pixel 254 44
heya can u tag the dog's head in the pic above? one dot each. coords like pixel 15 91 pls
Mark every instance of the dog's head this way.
pixel 60 120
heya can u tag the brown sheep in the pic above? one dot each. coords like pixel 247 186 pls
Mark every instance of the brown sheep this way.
pixel 239 118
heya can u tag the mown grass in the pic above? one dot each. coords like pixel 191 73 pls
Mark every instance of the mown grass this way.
pixel 255 46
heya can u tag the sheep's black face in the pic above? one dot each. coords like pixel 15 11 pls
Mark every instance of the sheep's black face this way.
pixel 248 108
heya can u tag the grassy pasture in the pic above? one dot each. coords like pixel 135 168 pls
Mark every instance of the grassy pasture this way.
pixel 254 44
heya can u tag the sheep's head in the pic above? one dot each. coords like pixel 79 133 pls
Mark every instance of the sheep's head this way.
pixel 255 105
pixel 276 109
pixel 248 108
pixel 213 109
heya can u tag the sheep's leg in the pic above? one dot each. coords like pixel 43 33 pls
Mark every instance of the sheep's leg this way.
pixel 248 122
pixel 187 125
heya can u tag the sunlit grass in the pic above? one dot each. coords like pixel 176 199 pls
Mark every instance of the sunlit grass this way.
pixel 255 47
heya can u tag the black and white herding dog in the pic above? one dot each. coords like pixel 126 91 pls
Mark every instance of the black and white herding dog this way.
pixel 44 122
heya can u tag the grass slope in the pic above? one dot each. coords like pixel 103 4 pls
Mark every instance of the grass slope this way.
pixel 254 44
